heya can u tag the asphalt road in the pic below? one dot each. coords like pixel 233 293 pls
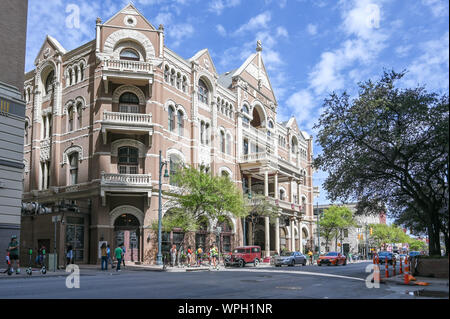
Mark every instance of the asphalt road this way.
pixel 331 282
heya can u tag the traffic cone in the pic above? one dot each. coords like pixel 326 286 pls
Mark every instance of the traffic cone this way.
pixel 406 276
pixel 422 283
pixel 387 269
pixel 376 273
pixel 401 270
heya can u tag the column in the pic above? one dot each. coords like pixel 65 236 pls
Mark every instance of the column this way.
pixel 291 193
pixel 267 236
pixel 292 235
pixel 266 183
pixel 47 127
pixel 298 192
pixel 277 193
pixel 277 235
pixel 300 235
pixel 249 183
pixel 45 175
pixel 75 118
pixel 250 234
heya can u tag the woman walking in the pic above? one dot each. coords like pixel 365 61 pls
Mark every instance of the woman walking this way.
pixel 173 255
pixel 69 255
pixel 104 257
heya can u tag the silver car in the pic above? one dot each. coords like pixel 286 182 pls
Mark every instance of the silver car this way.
pixel 290 259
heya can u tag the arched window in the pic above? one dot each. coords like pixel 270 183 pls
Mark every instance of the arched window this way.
pixel 224 173
pixel 202 132
pixel 282 194
pixel 294 145
pixel 70 77
pixel 129 103
pixel 184 84
pixel 202 92
pixel 129 54
pixel 207 135
pixel 174 165
pixel 128 160
pixel 171 119
pixel 79 114
pixel 228 144
pixel 172 77
pixel 71 113
pixel 178 81
pixel 245 119
pixel 81 72
pixel 222 141
pixel 49 82
pixel 76 74
pixel 167 74
pixel 50 125
pixel 73 170
pixel 269 132
pixel 180 123
pixel 26 133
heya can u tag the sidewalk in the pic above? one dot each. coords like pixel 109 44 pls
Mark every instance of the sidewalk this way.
pixel 437 287
pixel 36 274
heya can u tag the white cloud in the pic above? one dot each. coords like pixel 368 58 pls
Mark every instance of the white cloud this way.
pixel 217 6
pixel 432 67
pixel 164 18
pixel 179 32
pixel 403 50
pixel 259 22
pixel 312 29
pixel 282 32
pixel 221 30
pixel 439 8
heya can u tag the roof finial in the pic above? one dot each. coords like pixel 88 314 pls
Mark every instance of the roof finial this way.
pixel 258 46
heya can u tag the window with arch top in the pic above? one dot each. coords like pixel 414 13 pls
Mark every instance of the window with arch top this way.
pixel 171 118
pixel 222 141
pixel 49 82
pixel 202 92
pixel 73 170
pixel 129 54
pixel 129 103
pixel 128 160
pixel 180 121
pixel 175 164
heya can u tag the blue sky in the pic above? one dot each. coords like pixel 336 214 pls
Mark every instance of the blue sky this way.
pixel 310 48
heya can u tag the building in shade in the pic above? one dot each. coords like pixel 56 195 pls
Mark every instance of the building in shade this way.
pixel 99 115
pixel 354 240
pixel 13 26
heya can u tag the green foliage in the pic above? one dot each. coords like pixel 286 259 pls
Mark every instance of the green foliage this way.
pixel 177 218
pixel 259 207
pixel 416 245
pixel 390 146
pixel 334 221
pixel 201 194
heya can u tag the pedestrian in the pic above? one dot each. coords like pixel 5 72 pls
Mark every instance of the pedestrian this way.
pixel 199 253
pixel 42 256
pixel 118 252
pixel 310 254
pixel 173 255
pixel 109 257
pixel 189 256
pixel 214 254
pixel 180 255
pixel 104 256
pixel 69 255
pixel 13 248
pixel 8 261
pixel 350 257
pixel 124 250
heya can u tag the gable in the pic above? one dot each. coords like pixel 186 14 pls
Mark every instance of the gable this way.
pixel 203 58
pixel 129 17
pixel 48 49
pixel 292 124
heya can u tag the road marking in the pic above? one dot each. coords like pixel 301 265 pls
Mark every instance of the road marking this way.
pixel 299 273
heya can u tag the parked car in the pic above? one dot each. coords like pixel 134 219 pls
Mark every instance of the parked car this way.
pixel 244 255
pixel 290 259
pixel 332 258
pixel 383 254
pixel 414 253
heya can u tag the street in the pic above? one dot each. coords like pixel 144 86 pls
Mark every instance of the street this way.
pixel 341 282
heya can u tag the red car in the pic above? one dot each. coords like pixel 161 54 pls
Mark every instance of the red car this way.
pixel 332 258
pixel 243 255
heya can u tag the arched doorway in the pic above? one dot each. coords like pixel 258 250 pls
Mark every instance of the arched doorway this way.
pixel 224 240
pixel 127 232
pixel 172 235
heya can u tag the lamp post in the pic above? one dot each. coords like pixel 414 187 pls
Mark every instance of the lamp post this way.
pixel 244 226
pixel 166 174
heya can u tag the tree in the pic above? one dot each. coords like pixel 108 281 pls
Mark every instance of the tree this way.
pixel 416 245
pixel 334 221
pixel 201 194
pixel 259 207
pixel 389 146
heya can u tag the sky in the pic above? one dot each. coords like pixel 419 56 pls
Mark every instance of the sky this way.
pixel 310 48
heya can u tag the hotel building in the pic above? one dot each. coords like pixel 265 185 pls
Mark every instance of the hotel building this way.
pixel 98 116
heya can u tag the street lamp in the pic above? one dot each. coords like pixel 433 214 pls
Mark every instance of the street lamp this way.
pixel 244 226
pixel 166 174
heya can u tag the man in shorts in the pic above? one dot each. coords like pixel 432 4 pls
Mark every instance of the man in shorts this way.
pixel 13 248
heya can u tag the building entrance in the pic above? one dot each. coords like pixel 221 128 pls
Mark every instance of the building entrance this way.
pixel 127 232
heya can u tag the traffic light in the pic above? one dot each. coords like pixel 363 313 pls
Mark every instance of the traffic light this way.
pixel 371 231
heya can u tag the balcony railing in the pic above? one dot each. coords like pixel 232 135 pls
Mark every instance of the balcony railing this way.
pixel 127 118
pixel 126 179
pixel 125 65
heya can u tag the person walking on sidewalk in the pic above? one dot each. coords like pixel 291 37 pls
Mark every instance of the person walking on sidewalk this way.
pixel 118 252
pixel 199 253
pixel 189 256
pixel 104 257
pixel 13 248
pixel 124 250
pixel 173 255
pixel 69 255
pixel 310 254
pixel 214 254
pixel 109 258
